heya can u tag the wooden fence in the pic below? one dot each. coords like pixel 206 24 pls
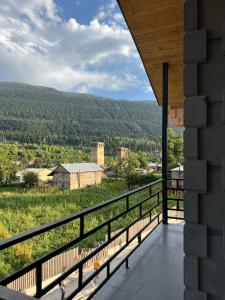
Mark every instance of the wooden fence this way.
pixel 55 266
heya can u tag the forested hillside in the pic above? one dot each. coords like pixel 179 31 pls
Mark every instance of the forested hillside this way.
pixel 33 114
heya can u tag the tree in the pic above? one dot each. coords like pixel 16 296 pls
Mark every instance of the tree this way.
pixel 30 179
pixel 111 163
pixel 143 160
pixel 128 164
pixel 175 148
pixel 8 166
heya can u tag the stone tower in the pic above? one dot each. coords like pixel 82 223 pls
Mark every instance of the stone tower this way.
pixel 121 152
pixel 97 153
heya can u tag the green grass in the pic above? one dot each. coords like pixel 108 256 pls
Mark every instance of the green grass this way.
pixel 23 209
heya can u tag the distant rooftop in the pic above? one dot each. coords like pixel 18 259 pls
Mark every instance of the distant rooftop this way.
pixel 81 167
pixel 151 164
pixel 180 168
pixel 33 170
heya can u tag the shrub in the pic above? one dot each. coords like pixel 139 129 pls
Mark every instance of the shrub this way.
pixel 30 179
pixel 138 179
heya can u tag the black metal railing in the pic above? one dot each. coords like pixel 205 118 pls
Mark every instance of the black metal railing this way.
pixel 175 197
pixel 144 203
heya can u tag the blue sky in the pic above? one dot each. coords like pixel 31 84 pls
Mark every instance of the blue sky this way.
pixel 72 45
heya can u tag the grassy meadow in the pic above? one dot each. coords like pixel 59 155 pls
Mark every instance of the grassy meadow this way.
pixel 23 209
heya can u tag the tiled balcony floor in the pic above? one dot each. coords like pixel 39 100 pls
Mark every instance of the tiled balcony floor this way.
pixel 155 270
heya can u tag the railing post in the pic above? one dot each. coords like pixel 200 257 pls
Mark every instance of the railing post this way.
pixel 150 191
pixel 127 240
pixel 38 280
pixel 80 276
pixel 109 231
pixel 127 202
pixel 81 225
pixel 164 140
pixel 108 270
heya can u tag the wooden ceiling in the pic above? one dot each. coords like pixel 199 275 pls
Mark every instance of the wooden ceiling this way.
pixel 157 29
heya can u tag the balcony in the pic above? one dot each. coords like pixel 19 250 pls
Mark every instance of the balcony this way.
pixel 144 257
pixel 155 269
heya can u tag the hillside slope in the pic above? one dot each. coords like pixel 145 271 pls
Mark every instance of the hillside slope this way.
pixel 34 114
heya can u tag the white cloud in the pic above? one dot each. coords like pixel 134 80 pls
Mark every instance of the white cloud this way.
pixel 118 17
pixel 38 46
pixel 110 15
pixel 147 88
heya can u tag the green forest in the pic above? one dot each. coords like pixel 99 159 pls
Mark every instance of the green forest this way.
pixel 34 114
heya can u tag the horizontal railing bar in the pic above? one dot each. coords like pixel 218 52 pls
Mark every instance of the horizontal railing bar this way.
pixel 176 218
pixel 57 251
pixel 104 265
pixel 49 226
pixel 175 189
pixel 175 199
pixel 175 209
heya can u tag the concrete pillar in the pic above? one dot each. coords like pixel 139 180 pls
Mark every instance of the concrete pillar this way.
pixel 204 119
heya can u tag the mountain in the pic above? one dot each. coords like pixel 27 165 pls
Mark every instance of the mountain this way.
pixel 35 114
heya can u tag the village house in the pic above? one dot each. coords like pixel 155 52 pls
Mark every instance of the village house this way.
pixel 152 167
pixel 78 175
pixel 175 174
pixel 75 176
pixel 42 173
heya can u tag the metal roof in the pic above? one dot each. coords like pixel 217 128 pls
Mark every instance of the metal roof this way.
pixel 180 168
pixel 81 167
pixel 151 164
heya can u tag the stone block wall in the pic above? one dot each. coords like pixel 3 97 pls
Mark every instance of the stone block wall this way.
pixel 204 119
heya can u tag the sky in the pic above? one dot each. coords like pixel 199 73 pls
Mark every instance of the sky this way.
pixel 72 45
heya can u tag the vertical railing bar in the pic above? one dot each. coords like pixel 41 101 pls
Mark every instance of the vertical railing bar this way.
pixel 109 231
pixel 127 236
pixel 139 238
pixel 108 269
pixel 127 240
pixel 80 276
pixel 38 280
pixel 127 202
pixel 127 263
pixel 81 225
pixel 140 207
